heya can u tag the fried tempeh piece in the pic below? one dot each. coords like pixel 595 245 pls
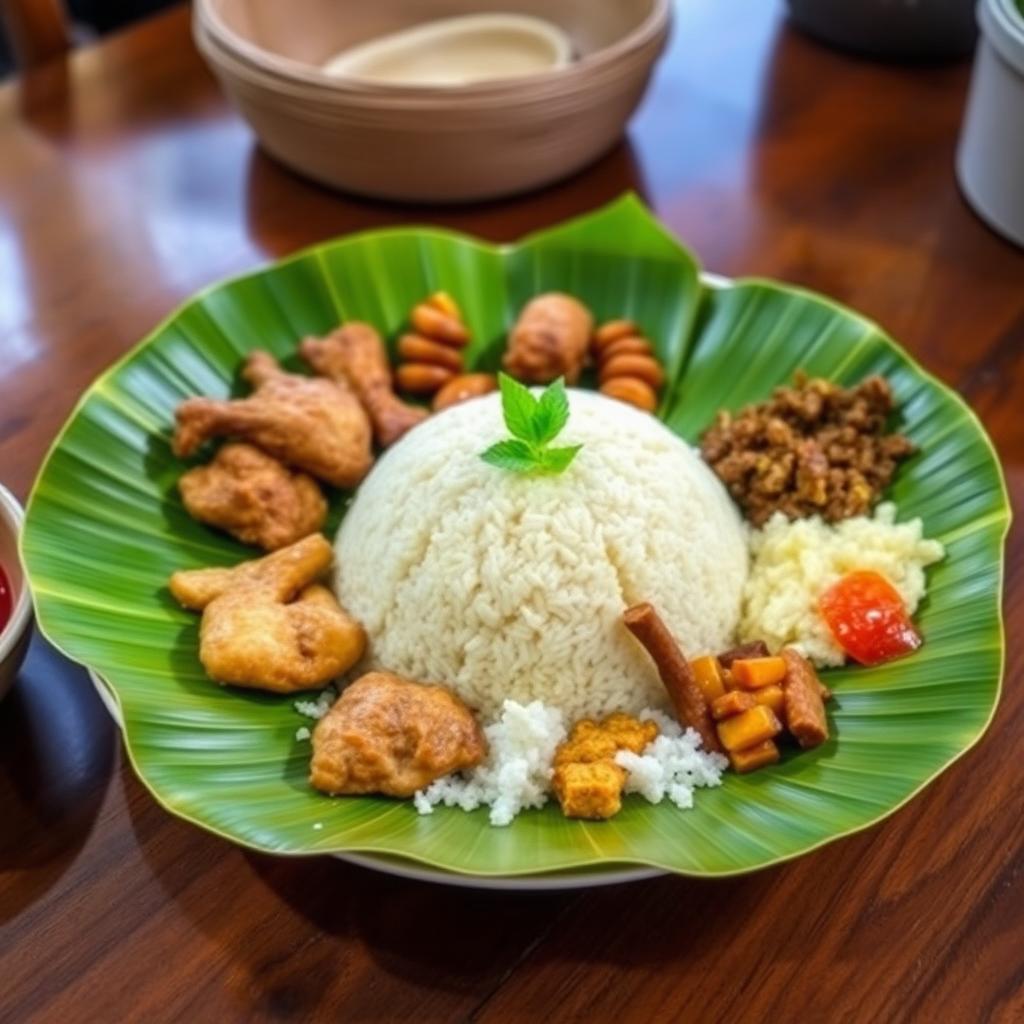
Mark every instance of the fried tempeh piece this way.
pixel 313 425
pixel 254 497
pixel 267 625
pixel 675 671
pixel 549 340
pixel 355 355
pixel 805 712
pixel 754 649
pixel 591 790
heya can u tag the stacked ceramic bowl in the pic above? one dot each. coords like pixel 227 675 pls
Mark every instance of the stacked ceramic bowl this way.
pixel 425 141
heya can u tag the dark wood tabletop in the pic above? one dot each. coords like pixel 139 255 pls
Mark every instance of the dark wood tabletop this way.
pixel 126 183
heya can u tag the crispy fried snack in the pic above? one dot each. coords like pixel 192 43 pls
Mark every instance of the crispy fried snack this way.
pixel 266 625
pixel 587 780
pixel 549 340
pixel 314 425
pixel 390 735
pixel 355 355
pixel 254 498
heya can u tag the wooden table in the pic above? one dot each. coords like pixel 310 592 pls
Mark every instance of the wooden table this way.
pixel 125 184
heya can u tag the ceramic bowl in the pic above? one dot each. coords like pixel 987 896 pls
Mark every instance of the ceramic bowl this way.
pixel 429 143
pixel 15 636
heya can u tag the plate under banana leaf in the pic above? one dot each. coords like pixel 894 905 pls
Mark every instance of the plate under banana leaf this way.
pixel 105 529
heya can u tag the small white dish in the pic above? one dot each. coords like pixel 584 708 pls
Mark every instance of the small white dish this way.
pixel 15 635
pixel 990 157
pixel 457 51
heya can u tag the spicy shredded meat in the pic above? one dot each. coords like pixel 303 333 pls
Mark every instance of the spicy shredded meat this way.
pixel 812 449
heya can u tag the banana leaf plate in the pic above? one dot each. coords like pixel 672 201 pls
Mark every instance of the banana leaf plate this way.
pixel 105 529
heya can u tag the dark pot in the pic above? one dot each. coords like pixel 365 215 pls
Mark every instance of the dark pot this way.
pixel 891 29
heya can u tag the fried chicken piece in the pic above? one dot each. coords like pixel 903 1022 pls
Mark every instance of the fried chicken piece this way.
pixel 267 625
pixel 549 340
pixel 314 425
pixel 254 498
pixel 390 735
pixel 587 780
pixel 355 355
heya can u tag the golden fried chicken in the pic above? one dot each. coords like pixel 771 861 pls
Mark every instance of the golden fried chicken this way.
pixel 390 735
pixel 254 497
pixel 355 355
pixel 586 780
pixel 549 340
pixel 312 424
pixel 267 625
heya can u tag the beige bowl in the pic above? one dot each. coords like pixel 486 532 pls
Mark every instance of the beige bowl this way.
pixel 15 636
pixel 429 143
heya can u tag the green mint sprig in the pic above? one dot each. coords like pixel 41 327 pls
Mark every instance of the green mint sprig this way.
pixel 533 423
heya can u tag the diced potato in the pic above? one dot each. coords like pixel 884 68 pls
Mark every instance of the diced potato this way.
pixel 735 702
pixel 752 673
pixel 772 696
pixel 749 728
pixel 708 674
pixel 749 759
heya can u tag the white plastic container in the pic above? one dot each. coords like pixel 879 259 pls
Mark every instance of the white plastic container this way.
pixel 990 158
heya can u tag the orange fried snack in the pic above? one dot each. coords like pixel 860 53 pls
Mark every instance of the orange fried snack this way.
pixel 549 340
pixel 355 355
pixel 390 735
pixel 267 625
pixel 314 425
pixel 254 497
pixel 586 780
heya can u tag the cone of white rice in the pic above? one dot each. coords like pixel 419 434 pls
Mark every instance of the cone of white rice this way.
pixel 508 586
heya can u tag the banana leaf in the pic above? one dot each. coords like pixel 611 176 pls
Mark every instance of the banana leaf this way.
pixel 105 528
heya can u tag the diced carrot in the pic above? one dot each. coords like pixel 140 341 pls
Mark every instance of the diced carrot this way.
pixel 708 674
pixel 735 702
pixel 749 728
pixel 752 673
pixel 749 759
pixel 772 696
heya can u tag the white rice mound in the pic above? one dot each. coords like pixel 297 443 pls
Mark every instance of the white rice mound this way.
pixel 521 746
pixel 794 562
pixel 503 586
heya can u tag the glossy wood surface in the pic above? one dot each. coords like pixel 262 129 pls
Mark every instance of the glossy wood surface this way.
pixel 125 185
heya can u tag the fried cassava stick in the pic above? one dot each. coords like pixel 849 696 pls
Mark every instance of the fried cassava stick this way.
pixel 687 699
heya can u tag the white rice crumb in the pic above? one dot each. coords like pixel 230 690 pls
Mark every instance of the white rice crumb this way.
pixel 302 733
pixel 672 766
pixel 317 825
pixel 794 562
pixel 319 707
pixel 518 769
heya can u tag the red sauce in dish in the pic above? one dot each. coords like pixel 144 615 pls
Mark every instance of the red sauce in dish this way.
pixel 866 615
pixel 5 600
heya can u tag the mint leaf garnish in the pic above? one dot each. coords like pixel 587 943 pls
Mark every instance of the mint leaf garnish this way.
pixel 518 407
pixel 517 456
pixel 552 413
pixel 534 423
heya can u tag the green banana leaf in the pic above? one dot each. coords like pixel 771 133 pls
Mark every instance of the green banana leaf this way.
pixel 105 529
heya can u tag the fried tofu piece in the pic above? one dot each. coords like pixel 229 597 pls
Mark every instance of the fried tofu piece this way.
pixel 390 735
pixel 354 355
pixel 592 790
pixel 254 497
pixel 311 424
pixel 267 625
